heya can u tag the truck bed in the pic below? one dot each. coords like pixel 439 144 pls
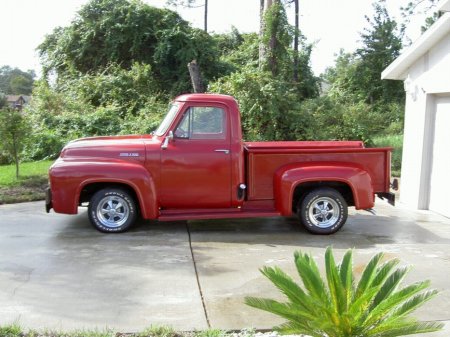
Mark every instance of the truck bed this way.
pixel 264 158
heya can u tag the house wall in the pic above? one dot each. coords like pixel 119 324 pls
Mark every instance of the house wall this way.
pixel 427 78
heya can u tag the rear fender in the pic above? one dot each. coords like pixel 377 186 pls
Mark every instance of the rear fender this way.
pixel 289 177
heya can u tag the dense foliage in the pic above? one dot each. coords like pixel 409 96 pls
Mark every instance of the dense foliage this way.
pixel 124 32
pixel 114 69
pixel 355 78
pixel 338 306
pixel 14 131
pixel 83 109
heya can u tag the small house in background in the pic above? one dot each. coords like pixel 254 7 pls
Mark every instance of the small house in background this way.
pixel 17 101
pixel 425 69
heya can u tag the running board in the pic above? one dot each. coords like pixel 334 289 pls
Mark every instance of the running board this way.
pixel 175 215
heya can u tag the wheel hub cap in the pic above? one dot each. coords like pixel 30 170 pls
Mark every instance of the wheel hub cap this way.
pixel 112 211
pixel 324 212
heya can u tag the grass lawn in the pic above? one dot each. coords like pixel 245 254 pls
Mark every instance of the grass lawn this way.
pixel 31 183
pixel 15 330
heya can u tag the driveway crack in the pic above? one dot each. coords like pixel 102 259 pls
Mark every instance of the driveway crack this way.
pixel 197 276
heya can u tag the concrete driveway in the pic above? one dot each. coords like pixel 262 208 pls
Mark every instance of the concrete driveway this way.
pixel 57 272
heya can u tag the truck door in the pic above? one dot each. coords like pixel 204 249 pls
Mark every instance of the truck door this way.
pixel 196 165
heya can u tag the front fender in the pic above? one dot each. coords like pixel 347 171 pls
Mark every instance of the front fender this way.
pixel 289 177
pixel 68 178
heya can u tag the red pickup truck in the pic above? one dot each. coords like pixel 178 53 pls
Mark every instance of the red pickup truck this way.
pixel 196 166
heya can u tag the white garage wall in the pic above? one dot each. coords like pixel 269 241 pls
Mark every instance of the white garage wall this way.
pixel 428 76
pixel 439 198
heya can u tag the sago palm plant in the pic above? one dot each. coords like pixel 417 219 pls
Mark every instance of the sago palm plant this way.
pixel 339 306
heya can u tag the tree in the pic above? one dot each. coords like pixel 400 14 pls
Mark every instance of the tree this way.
pixel 14 81
pixel 296 36
pixel 193 4
pixel 420 7
pixel 356 76
pixel 337 306
pixel 13 132
pixel 382 43
pixel 276 39
pixel 124 32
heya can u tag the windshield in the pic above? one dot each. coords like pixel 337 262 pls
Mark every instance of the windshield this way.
pixel 167 120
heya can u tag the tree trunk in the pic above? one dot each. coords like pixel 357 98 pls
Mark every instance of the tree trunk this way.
pixel 196 78
pixel 16 157
pixel 264 5
pixel 273 43
pixel 206 15
pixel 261 32
pixel 296 36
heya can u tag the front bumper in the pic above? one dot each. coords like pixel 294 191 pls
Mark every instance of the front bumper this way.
pixel 48 199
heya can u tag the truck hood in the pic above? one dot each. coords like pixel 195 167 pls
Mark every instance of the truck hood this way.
pixel 107 148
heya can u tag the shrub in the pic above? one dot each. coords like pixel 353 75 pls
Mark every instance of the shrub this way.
pixel 14 131
pixel 340 307
pixel 396 142
pixel 270 107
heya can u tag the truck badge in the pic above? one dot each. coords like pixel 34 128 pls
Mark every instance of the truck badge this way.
pixel 129 154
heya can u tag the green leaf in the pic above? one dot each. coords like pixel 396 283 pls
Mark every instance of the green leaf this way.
pixel 310 275
pixel 284 310
pixel 389 305
pixel 405 328
pixel 346 275
pixel 324 310
pixel 334 283
pixel 390 285
pixel 367 276
pixel 292 290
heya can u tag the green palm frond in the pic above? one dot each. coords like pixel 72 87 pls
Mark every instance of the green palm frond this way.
pixel 335 307
pixel 390 285
pixel 310 275
pixel 368 275
pixel 384 271
pixel 287 286
pixel 346 274
pixel 395 300
pixel 284 310
pixel 405 328
pixel 415 302
pixel 335 286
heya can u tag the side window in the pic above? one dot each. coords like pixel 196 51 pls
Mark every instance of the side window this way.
pixel 202 123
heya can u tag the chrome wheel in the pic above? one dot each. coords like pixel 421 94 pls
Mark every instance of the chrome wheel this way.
pixel 112 211
pixel 324 212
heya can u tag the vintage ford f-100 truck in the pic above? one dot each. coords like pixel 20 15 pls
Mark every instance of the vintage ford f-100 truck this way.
pixel 196 166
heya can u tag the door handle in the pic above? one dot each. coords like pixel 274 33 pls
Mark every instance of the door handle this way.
pixel 222 150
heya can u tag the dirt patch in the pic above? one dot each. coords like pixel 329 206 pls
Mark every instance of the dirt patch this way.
pixel 32 189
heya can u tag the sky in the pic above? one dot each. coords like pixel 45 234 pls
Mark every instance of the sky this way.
pixel 329 24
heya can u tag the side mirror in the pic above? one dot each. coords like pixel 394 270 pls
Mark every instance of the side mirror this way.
pixel 166 141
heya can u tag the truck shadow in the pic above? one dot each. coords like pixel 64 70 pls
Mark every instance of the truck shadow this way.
pixel 162 245
pixel 360 231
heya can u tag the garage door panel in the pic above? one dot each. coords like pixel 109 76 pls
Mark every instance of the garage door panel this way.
pixel 440 167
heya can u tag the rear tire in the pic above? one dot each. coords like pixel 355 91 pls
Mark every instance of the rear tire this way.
pixel 112 210
pixel 323 211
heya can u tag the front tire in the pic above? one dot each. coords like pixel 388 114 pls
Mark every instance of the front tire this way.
pixel 112 210
pixel 323 211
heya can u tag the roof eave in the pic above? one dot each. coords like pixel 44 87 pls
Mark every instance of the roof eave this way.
pixel 397 69
pixel 443 6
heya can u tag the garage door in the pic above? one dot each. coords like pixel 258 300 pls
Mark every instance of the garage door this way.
pixel 440 169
